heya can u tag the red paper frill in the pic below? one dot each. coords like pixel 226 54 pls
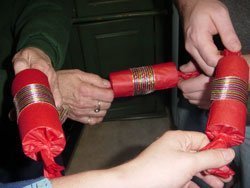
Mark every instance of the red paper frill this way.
pixel 39 125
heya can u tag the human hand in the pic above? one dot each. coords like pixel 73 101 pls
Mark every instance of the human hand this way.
pixel 34 58
pixel 196 90
pixel 173 160
pixel 202 20
pixel 82 93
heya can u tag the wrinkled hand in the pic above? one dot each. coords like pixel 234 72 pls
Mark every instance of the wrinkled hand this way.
pixel 173 160
pixel 196 90
pixel 34 58
pixel 202 20
pixel 81 94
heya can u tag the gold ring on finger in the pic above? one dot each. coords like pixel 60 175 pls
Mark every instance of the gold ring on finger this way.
pixel 98 107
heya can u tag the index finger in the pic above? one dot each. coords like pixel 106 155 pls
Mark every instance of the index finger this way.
pixel 96 93
pixel 187 140
pixel 195 140
pixel 199 83
pixel 95 80
pixel 208 50
pixel 226 30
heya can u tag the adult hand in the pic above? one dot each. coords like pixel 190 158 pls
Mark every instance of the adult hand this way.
pixel 202 20
pixel 83 93
pixel 174 159
pixel 171 161
pixel 34 58
pixel 196 90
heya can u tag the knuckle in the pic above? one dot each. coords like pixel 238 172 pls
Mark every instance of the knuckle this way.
pixel 191 36
pixel 81 103
pixel 85 90
pixel 95 77
pixel 221 10
pixel 189 47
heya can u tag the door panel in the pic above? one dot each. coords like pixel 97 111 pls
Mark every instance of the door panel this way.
pixel 87 8
pixel 117 45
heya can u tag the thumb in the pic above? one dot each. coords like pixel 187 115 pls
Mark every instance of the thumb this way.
pixel 227 33
pixel 213 158
pixel 231 42
pixel 56 94
pixel 188 67
pixel 20 64
pixel 94 79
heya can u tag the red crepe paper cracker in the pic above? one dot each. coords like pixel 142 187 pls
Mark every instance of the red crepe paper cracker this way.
pixel 144 80
pixel 227 116
pixel 38 120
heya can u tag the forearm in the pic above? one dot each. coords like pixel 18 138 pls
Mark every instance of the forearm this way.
pixel 130 174
pixel 111 178
pixel 143 171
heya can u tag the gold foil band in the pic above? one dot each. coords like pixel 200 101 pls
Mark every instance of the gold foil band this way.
pixel 143 80
pixel 230 87
pixel 63 113
pixel 30 94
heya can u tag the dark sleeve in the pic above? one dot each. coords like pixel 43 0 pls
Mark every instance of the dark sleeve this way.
pixel 45 24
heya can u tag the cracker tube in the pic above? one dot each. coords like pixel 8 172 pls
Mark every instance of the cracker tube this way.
pixel 146 79
pixel 227 116
pixel 38 120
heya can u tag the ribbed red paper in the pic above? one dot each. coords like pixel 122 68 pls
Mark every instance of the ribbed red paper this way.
pixel 39 125
pixel 227 117
pixel 165 76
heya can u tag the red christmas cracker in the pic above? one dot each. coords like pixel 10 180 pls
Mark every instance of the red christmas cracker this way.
pixel 144 80
pixel 38 120
pixel 227 116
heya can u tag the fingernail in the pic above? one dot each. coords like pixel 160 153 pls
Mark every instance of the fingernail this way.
pixel 228 154
pixel 235 45
pixel 183 67
pixel 106 83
